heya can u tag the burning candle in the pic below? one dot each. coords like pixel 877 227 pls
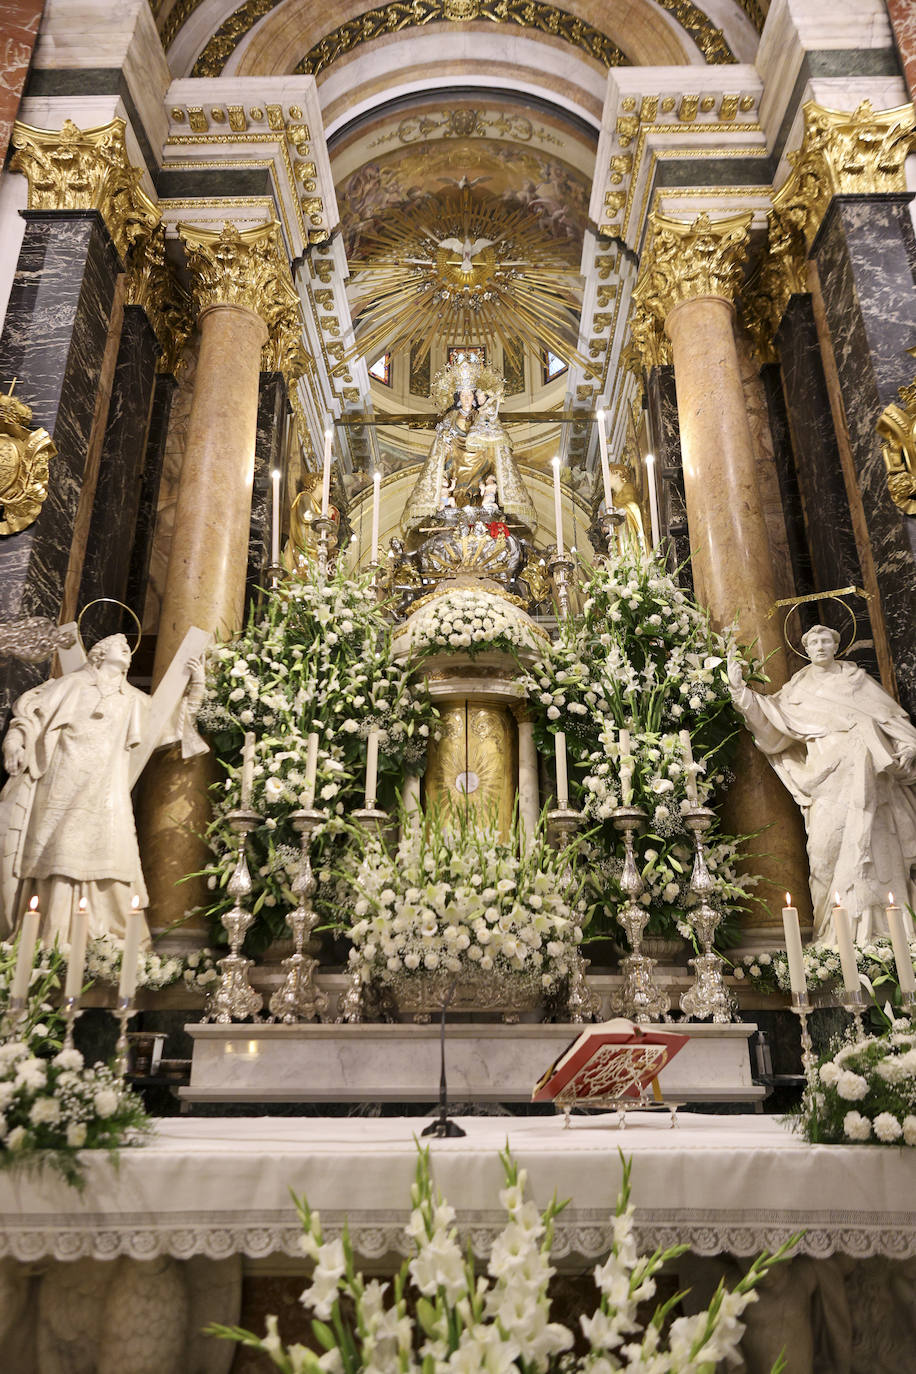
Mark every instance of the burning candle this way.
pixel 842 929
pixel 311 769
pixel 562 776
pixel 376 507
pixel 127 985
pixel 247 769
pixel 326 475
pixel 653 499
pixel 690 769
pixel 25 955
pixel 79 934
pixel 626 769
pixel 902 957
pixel 797 980
pixel 605 470
pixel 371 769
pixel 275 519
pixel 558 505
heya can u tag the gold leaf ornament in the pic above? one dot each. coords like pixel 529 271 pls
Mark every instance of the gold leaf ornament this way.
pixel 24 459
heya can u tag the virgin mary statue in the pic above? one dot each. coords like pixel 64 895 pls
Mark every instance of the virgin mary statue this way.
pixel 470 442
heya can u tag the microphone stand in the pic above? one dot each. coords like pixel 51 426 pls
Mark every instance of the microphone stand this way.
pixel 442 1128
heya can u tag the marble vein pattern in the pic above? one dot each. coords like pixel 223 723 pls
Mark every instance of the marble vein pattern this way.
pixel 903 22
pixel 19 21
pixel 53 341
pixel 665 430
pixel 117 498
pixel 817 473
pixel 167 494
pixel 787 479
pixel 866 256
pixel 268 454
pixel 150 481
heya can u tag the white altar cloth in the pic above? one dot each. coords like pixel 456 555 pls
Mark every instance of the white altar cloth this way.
pixel 220 1186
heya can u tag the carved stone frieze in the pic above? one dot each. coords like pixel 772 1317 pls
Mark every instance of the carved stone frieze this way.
pixel 85 169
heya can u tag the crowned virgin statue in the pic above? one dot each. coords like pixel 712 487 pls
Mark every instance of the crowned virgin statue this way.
pixel 470 444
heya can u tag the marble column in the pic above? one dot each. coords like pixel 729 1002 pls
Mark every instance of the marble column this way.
pixel 816 476
pixel 54 341
pixel 19 21
pixel 864 292
pixel 903 22
pixel 268 455
pixel 242 285
pixel 529 797
pixel 145 527
pixel 689 278
pixel 112 529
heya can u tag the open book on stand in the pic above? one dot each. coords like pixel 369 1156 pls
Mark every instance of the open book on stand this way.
pixel 613 1064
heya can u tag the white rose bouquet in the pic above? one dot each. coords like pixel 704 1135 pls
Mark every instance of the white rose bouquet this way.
pixel 469 621
pixel 865 1092
pixel 451 898
pixel 440 1316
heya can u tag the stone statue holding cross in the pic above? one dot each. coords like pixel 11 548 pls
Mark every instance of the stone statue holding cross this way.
pixel 74 749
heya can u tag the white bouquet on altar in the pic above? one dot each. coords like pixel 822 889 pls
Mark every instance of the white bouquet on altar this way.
pixel 452 899
pixel 865 1092
pixel 769 971
pixel 470 620
pixel 154 971
pixel 440 1316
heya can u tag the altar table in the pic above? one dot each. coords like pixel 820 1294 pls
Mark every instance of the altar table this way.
pixel 219 1187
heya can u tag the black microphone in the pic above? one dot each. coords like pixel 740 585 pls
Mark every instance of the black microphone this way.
pixel 442 1128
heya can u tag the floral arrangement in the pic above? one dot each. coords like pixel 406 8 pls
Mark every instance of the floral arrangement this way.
pixel 316 658
pixel 769 971
pixel 50 1108
pixel 155 971
pixel 452 898
pixel 471 620
pixel 440 1316
pixel 642 657
pixel 865 1092
pixel 41 1024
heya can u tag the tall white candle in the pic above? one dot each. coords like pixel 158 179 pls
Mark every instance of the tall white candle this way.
pixel 376 507
pixel 690 767
pixel 79 934
pixel 842 929
pixel 371 769
pixel 326 475
pixel 25 955
pixel 275 518
pixel 605 470
pixel 247 769
pixel 797 980
pixel 127 985
pixel 558 505
pixel 653 499
pixel 311 769
pixel 902 957
pixel 626 769
pixel 562 774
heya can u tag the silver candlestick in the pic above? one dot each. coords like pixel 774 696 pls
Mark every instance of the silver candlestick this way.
pixel 123 1011
pixel 803 1008
pixel 581 1002
pixel 370 818
pixel 560 567
pixel 71 1009
pixel 640 997
pixel 608 523
pixel 326 529
pixel 16 1012
pixel 856 1003
pixel 709 996
pixel 275 575
pixel 298 999
pixel 233 998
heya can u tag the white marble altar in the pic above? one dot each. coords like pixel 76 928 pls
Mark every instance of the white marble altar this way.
pixel 400 1063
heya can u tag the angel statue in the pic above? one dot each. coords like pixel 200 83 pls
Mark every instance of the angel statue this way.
pixel 470 442
pixel 847 753
pixel 66 821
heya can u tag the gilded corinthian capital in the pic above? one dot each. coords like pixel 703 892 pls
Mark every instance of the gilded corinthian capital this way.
pixel 85 169
pixel 683 262
pixel 246 267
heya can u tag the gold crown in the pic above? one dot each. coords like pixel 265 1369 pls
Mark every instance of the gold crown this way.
pixel 466 370
pixel 13 411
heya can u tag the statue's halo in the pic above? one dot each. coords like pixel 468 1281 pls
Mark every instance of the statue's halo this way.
pixel 111 601
pixel 827 596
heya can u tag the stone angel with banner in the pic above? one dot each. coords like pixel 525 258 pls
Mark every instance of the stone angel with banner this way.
pixel 74 749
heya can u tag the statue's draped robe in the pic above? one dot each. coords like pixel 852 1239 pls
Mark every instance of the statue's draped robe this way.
pixel 834 739
pixel 66 821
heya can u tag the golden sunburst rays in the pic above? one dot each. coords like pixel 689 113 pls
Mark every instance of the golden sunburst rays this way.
pixel 467 267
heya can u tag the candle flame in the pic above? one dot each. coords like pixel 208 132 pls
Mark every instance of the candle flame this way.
pixel 135 903
pixel 555 461
pixel 788 899
pixel 82 903
pixel 377 476
pixel 599 416
pixel 890 899
pixel 33 904
pixel 650 457
pixel 836 899
pixel 329 434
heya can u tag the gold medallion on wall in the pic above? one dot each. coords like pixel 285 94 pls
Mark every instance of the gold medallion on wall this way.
pixel 24 457
pixel 474 761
